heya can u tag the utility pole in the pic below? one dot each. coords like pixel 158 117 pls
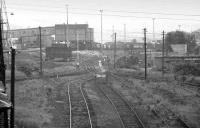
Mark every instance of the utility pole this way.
pixel 90 32
pixel 179 27
pixel 153 29
pixel 115 49
pixel 77 45
pixel 163 47
pixel 145 54
pixel 101 11
pixel 65 33
pixel 40 41
pixel 124 33
pixel 12 89
pixel 67 37
pixel 124 38
pixel 113 31
pixel 85 42
pixel 2 65
pixel 67 13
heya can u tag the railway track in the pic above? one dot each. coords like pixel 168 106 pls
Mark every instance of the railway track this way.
pixel 51 76
pixel 86 69
pixel 60 100
pixel 194 86
pixel 168 117
pixel 126 113
pixel 78 107
pixel 134 76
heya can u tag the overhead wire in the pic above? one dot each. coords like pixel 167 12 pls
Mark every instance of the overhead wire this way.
pixel 118 11
pixel 117 15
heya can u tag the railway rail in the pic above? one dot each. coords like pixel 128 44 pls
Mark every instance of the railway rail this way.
pixel 80 110
pixel 170 118
pixel 50 76
pixel 127 115
pixel 87 68
pixel 191 87
pixel 165 114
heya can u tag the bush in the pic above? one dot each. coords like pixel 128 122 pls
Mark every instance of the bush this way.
pixel 187 69
pixel 26 124
pixel 27 69
pixel 127 62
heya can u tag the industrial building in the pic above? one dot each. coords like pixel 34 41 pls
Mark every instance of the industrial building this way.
pixel 28 38
pixel 60 33
pixel 73 33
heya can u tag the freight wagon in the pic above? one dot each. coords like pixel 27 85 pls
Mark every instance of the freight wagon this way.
pixel 59 51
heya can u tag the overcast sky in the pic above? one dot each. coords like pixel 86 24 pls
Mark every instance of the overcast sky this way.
pixel 34 13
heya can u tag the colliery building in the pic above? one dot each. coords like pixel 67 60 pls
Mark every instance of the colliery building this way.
pixel 28 38
pixel 73 34
pixel 60 33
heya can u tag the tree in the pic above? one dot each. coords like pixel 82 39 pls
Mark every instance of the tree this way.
pixel 180 37
pixel 134 40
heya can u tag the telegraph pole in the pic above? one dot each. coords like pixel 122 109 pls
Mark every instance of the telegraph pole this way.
pixel 2 65
pixel 113 31
pixel 124 38
pixel 12 89
pixel 153 29
pixel 101 11
pixel 115 49
pixel 67 13
pixel 77 45
pixel 145 54
pixel 163 47
pixel 40 41
pixel 67 37
pixel 124 33
pixel 179 27
pixel 65 33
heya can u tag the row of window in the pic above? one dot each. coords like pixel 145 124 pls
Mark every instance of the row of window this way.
pixel 30 32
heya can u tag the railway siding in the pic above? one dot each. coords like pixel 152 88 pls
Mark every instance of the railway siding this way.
pixel 168 117
pixel 79 109
pixel 127 115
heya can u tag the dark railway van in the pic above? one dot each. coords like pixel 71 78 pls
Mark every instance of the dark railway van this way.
pixel 59 51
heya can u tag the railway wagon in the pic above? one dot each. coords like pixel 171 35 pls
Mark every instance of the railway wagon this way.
pixel 59 51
